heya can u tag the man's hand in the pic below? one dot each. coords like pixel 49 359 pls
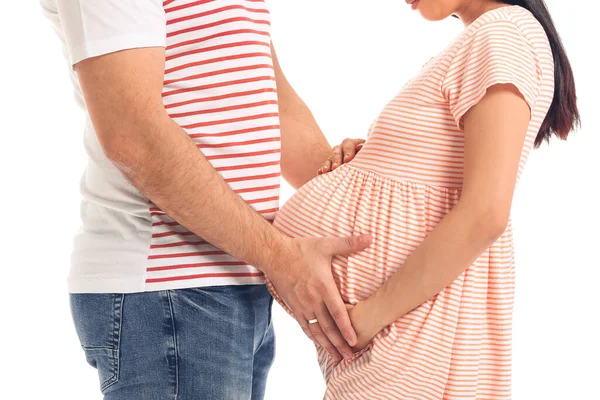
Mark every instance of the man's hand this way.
pixel 342 153
pixel 303 279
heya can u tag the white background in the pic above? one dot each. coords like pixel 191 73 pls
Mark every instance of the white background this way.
pixel 346 59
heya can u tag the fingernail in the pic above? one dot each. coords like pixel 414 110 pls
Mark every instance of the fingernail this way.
pixel 335 165
pixel 347 156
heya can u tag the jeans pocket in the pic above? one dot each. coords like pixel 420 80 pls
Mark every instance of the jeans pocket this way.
pixel 98 319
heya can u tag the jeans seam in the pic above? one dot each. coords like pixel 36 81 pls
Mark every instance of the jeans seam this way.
pixel 96 348
pixel 268 328
pixel 116 345
pixel 270 312
pixel 175 349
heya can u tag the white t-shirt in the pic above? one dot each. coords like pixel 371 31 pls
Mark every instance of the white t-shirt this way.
pixel 220 88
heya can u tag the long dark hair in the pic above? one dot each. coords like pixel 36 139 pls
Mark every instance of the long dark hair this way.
pixel 563 115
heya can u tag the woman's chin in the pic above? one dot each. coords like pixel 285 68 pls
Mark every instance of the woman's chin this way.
pixel 431 13
pixel 431 16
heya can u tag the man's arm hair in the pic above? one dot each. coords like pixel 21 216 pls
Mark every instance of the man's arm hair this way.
pixel 123 94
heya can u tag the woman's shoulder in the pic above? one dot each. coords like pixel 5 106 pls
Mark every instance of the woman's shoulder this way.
pixel 506 32
pixel 504 45
pixel 511 23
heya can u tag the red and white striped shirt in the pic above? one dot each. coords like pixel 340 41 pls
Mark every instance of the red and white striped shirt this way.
pixel 219 86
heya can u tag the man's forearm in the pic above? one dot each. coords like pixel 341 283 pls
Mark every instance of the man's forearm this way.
pixel 161 161
pixel 303 145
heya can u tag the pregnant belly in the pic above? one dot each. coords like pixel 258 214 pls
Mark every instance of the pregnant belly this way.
pixel 351 201
pixel 458 336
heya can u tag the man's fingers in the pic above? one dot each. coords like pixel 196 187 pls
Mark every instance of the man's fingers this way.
pixel 331 330
pixel 342 154
pixel 349 244
pixel 320 337
pixel 340 316
pixel 298 314
pixel 314 331
pixel 336 159
pixel 326 167
pixel 348 149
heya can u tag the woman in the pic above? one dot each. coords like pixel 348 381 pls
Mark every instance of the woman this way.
pixel 431 299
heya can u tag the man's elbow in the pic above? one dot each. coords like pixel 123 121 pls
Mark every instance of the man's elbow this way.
pixel 118 144
pixel 126 141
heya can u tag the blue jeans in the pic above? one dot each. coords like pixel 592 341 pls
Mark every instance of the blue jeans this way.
pixel 212 343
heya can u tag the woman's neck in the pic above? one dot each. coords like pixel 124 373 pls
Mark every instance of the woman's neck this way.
pixel 474 9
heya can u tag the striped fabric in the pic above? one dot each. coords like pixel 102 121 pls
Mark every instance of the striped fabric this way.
pixel 220 87
pixel 407 177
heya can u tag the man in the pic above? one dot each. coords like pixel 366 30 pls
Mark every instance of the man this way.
pixel 183 138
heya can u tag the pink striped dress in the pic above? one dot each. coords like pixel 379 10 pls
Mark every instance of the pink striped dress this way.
pixel 407 177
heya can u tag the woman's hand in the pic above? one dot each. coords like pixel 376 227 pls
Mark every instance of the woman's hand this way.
pixel 365 324
pixel 342 153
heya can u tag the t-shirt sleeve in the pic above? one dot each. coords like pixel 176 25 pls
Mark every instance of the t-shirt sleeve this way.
pixel 96 27
pixel 496 53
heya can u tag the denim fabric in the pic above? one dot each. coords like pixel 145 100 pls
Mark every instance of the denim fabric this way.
pixel 211 343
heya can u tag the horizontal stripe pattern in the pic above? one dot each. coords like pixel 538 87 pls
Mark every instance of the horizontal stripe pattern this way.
pixel 219 86
pixel 406 178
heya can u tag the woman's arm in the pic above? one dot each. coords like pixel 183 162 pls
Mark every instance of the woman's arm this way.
pixel 494 131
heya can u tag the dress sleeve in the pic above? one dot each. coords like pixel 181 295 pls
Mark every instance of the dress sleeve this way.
pixel 97 27
pixel 495 53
